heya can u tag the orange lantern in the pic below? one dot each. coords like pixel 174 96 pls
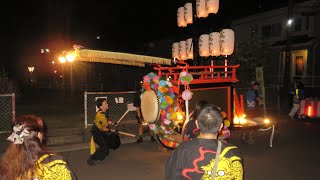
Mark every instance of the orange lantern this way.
pixel 213 6
pixel 204 45
pixel 227 42
pixel 214 44
pixel 188 13
pixel 180 17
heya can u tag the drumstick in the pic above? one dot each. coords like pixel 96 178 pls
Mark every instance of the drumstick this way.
pixel 185 124
pixel 122 117
pixel 124 133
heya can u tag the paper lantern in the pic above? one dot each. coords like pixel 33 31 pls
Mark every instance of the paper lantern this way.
pixel 187 95
pixel 189 47
pixel 227 42
pixel 180 17
pixel 213 6
pixel 214 44
pixel 204 45
pixel 182 50
pixel 202 8
pixel 175 50
pixel 188 13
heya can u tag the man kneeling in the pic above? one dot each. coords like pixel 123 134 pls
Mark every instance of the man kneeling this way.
pixel 197 159
pixel 102 134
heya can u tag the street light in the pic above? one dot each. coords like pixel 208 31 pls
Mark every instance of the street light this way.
pixel 31 69
pixel 289 23
pixel 70 58
pixel 62 59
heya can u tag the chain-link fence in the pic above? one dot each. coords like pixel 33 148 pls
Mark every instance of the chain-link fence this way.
pixel 272 96
pixel 118 105
pixel 7 112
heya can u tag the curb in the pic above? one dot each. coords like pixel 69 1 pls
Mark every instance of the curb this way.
pixel 83 146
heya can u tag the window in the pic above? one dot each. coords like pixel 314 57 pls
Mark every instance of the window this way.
pixel 266 31
pixel 297 25
pixel 273 30
pixel 276 29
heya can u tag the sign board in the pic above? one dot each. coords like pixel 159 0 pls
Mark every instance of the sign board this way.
pixel 260 79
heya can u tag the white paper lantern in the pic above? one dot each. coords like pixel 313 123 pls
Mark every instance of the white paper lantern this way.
pixel 213 6
pixel 214 44
pixel 189 47
pixel 188 13
pixel 175 50
pixel 182 50
pixel 202 8
pixel 204 45
pixel 180 17
pixel 227 42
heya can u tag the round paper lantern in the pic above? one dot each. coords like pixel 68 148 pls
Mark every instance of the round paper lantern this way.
pixel 227 42
pixel 204 45
pixel 180 17
pixel 175 50
pixel 189 47
pixel 214 44
pixel 202 8
pixel 188 13
pixel 187 95
pixel 213 6
pixel 182 50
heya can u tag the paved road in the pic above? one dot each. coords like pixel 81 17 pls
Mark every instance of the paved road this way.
pixel 295 157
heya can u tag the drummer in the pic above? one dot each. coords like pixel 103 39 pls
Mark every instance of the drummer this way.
pixel 253 98
pixel 99 132
pixel 137 104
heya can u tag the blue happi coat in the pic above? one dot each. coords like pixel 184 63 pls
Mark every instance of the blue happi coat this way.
pixel 251 102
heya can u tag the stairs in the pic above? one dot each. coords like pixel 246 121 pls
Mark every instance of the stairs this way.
pixel 63 136
pixel 64 131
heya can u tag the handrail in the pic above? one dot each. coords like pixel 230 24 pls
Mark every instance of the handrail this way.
pixel 202 74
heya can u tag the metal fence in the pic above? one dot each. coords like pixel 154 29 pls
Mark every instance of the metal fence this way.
pixel 7 112
pixel 272 96
pixel 118 105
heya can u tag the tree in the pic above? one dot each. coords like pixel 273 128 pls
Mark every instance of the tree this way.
pixel 251 54
pixel 7 85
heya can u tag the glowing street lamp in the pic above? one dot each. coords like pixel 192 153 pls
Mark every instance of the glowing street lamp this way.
pixel 31 69
pixel 70 57
pixel 289 23
pixel 62 59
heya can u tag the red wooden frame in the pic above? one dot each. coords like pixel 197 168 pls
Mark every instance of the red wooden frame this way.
pixel 201 74
pixel 206 75
pixel 229 96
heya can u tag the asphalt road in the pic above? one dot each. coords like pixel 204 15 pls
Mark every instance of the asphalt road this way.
pixel 295 155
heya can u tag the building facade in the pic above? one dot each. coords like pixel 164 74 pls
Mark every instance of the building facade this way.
pixel 301 34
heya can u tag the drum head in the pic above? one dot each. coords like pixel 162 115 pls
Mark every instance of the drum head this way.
pixel 150 106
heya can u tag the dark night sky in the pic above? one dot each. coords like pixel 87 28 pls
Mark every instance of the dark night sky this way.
pixel 123 25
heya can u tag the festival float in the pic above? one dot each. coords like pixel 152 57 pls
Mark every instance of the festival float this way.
pixel 170 93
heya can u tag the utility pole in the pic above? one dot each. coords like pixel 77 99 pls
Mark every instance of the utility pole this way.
pixel 287 66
